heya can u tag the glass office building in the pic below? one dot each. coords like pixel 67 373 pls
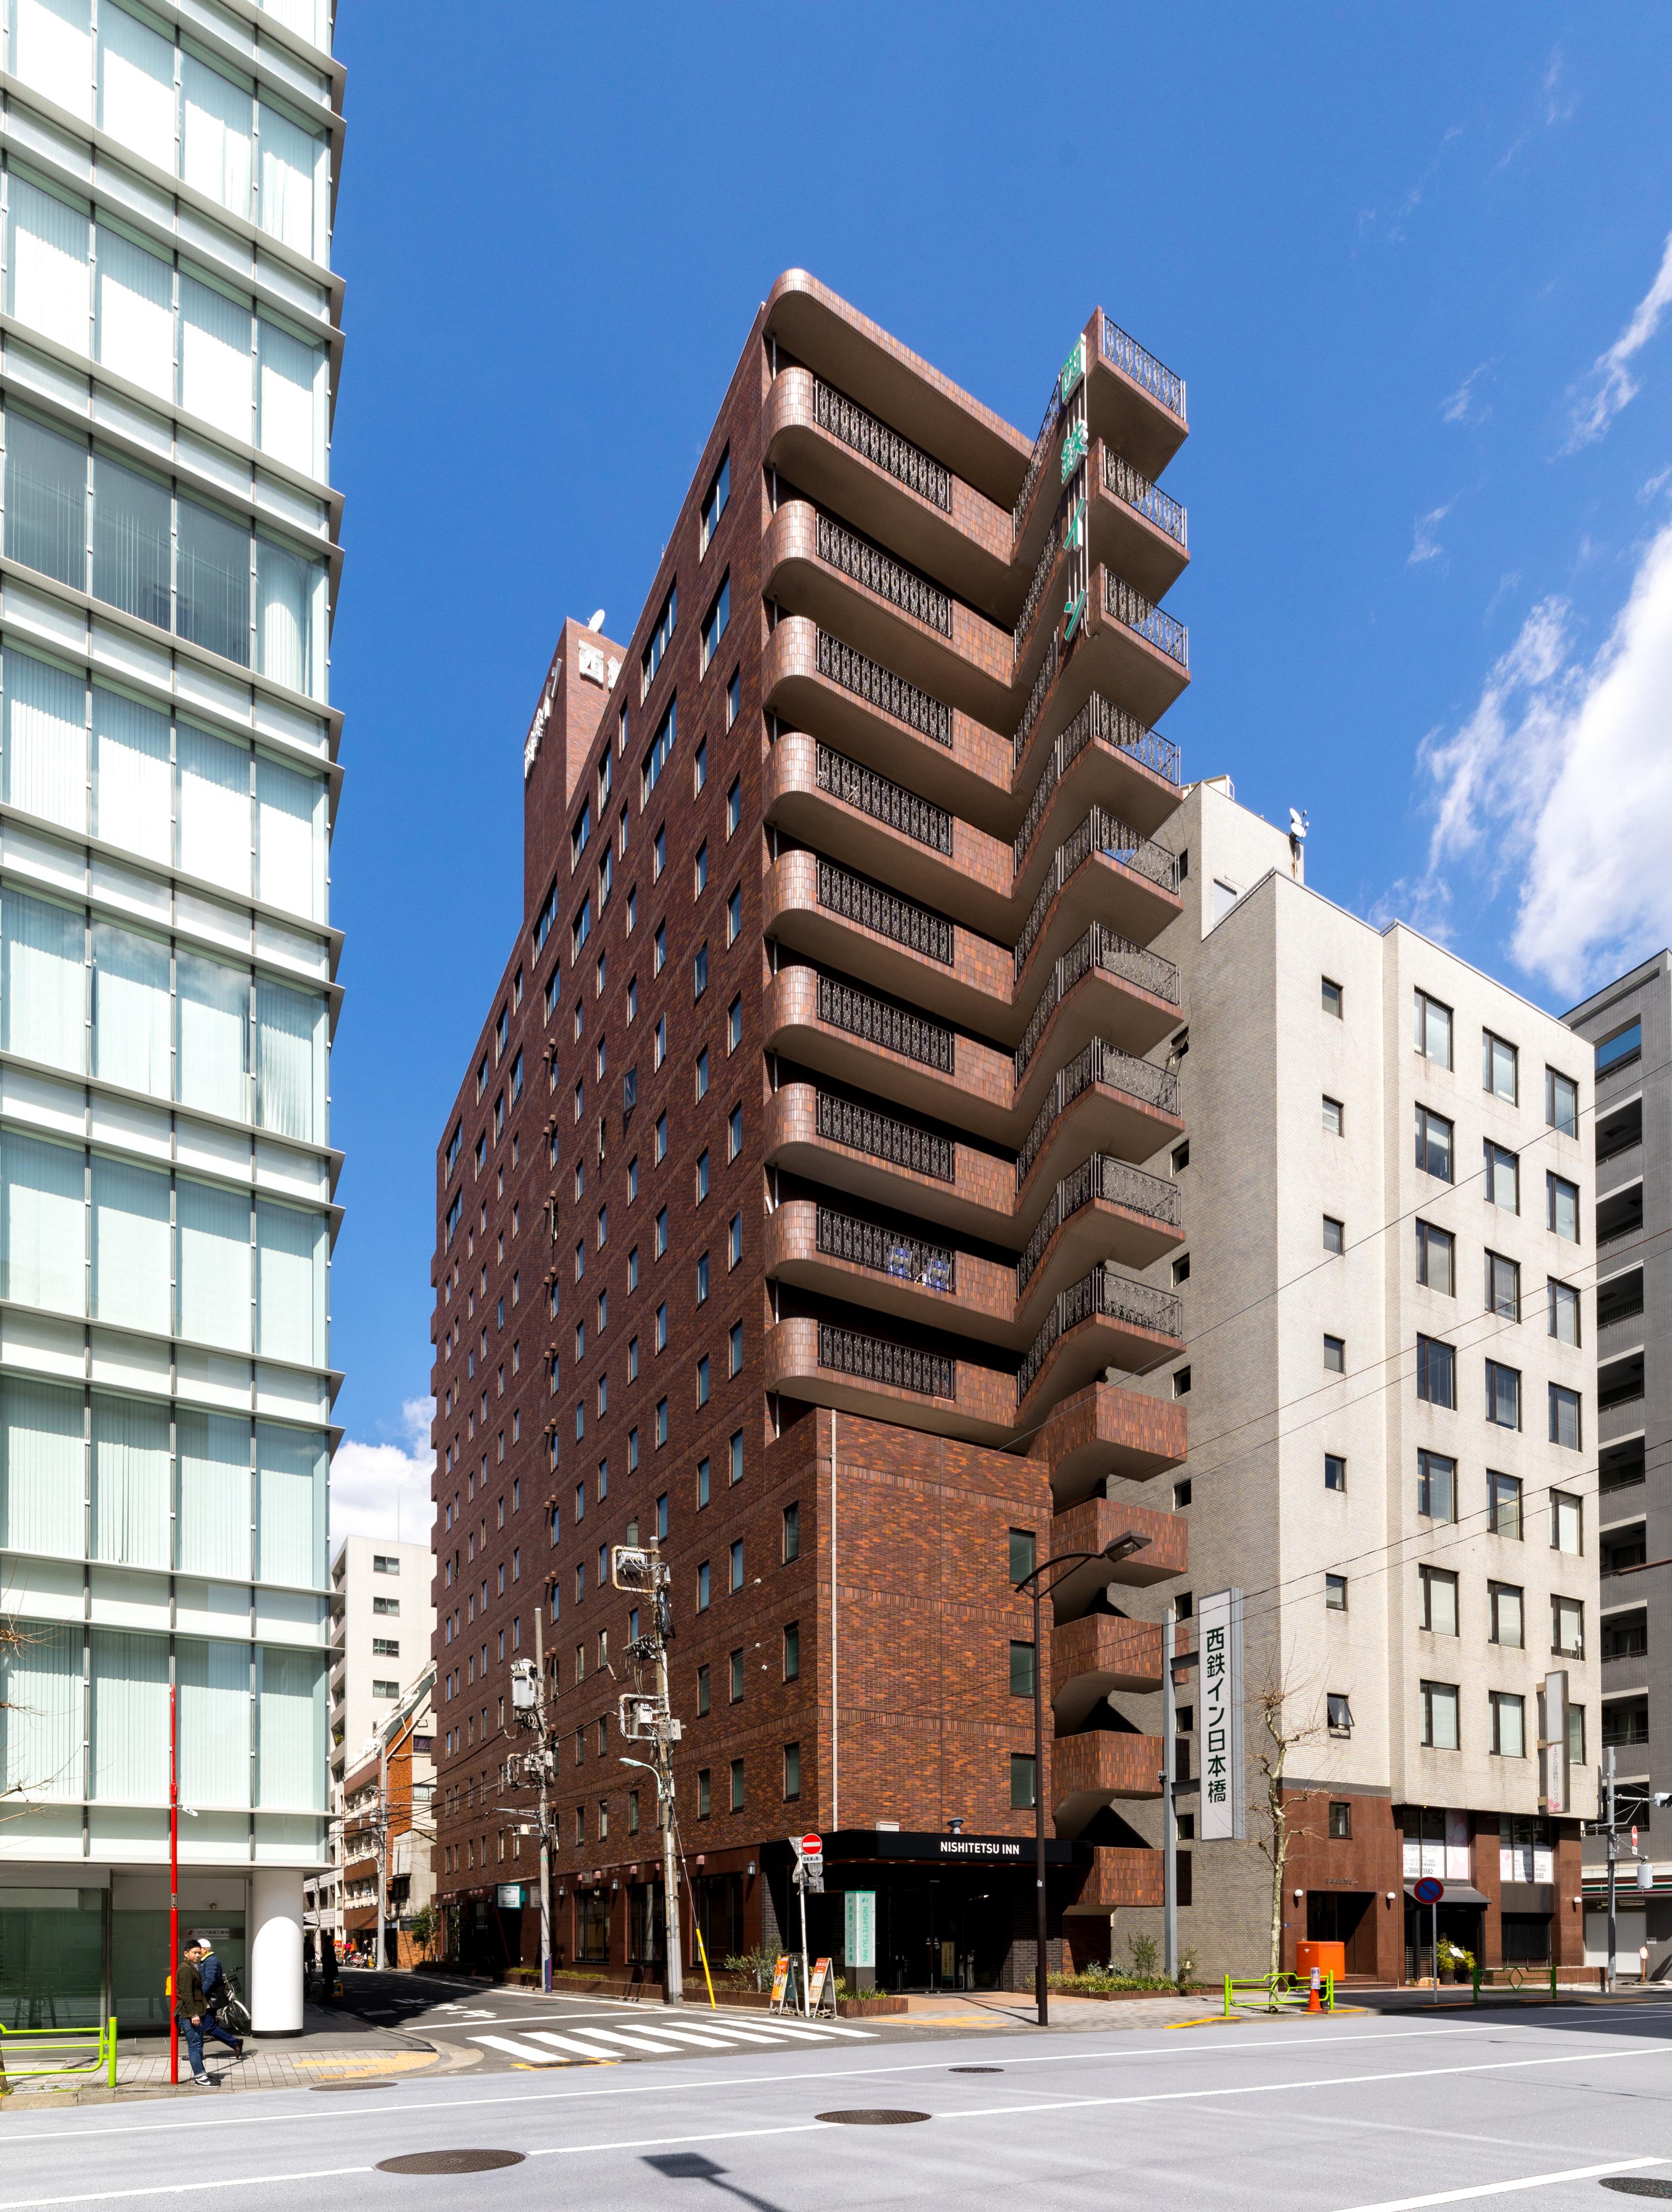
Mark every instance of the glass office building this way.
pixel 169 563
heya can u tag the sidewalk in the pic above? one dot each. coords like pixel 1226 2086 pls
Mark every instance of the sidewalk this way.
pixel 331 2047
pixel 1013 2010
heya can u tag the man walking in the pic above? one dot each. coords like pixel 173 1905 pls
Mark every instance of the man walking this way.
pixel 193 2015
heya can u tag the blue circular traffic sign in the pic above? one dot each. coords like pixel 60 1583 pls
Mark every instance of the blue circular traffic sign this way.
pixel 1428 1891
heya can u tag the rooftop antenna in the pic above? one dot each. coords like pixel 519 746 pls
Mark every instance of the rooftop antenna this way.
pixel 597 621
pixel 1298 826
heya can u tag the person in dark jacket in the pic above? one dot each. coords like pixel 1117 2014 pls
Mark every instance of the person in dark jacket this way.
pixel 193 2015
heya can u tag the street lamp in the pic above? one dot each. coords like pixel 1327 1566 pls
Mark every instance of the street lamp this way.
pixel 1122 1547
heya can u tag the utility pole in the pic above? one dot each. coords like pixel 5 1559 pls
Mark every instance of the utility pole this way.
pixel 383 1850
pixel 646 1717
pixel 1168 1810
pixel 546 1840
pixel 1614 1863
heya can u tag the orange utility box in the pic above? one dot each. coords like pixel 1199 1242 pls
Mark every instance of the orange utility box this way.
pixel 1328 1958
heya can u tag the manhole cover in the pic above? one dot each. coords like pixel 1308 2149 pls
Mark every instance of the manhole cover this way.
pixel 351 2085
pixel 449 2161
pixel 869 2116
pixel 975 2069
pixel 1633 2184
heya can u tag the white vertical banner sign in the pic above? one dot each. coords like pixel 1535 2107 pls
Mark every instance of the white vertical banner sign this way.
pixel 1224 1815
pixel 1554 1747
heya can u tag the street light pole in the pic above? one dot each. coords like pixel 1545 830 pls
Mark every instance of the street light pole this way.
pixel 1122 1547
pixel 1168 1810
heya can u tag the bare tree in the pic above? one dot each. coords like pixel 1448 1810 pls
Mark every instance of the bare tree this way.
pixel 1286 1719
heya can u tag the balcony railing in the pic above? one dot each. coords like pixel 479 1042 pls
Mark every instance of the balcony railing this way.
pixel 896 1367
pixel 1164 631
pixel 876 571
pixel 885 802
pixel 1106 949
pixel 1151 501
pixel 1098 1061
pixel 1102 1176
pixel 1036 698
pixel 863 1129
pixel 886 1251
pixel 1041 447
pixel 881 688
pixel 885 449
pixel 1109 726
pixel 1101 1293
pixel 857 899
pixel 1104 833
pixel 879 1021
pixel 1037 589
pixel 1131 359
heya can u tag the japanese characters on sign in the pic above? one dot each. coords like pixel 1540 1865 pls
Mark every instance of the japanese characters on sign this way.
pixel 1219 1666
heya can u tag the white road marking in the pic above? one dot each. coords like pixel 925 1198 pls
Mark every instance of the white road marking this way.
pixel 708 2038
pixel 181 2188
pixel 1504 2188
pixel 632 2042
pixel 516 2049
pixel 555 2042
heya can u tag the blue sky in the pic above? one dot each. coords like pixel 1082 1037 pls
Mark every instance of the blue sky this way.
pixel 1413 261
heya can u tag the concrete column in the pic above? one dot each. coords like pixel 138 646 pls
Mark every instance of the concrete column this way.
pixel 276 1952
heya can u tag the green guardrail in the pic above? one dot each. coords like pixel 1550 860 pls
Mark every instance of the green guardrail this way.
pixel 1517 1978
pixel 27 2052
pixel 1277 1993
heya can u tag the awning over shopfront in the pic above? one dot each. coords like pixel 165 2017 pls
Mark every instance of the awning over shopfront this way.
pixel 1456 1893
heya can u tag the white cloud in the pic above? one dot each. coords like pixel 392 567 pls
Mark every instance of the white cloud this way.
pixel 1424 544
pixel 1563 772
pixel 383 1490
pixel 1610 384
pixel 1460 406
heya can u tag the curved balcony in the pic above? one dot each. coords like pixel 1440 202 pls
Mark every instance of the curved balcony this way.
pixel 1104 756
pixel 1103 872
pixel 858 1373
pixel 1102 1321
pixel 1098 1653
pixel 1097 1769
pixel 1104 986
pixel 869 1152
pixel 1137 529
pixel 1096 1522
pixel 931 1283
pixel 838 451
pixel 814 564
pixel 1108 1430
pixel 1135 401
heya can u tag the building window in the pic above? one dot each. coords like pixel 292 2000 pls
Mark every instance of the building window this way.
pixel 1499 1068
pixel 702 1692
pixel 1181 1495
pixel 1339 1712
pixel 700 869
pixel 704 1792
pixel 1180 1269
pixel 1437 1372
pixel 734 916
pixel 661 1422
pixel 791 1532
pixel 1503 1177
pixel 713 501
pixel 1340 1821
pixel 1335 1355
pixel 660 638
pixel 1335 1234
pixel 1565 1417
pixel 734 1240
pixel 792 1652
pixel 736 1455
pixel 737 1564
pixel 1330 995
pixel 734 1133
pixel 1619 1050
pixel 702 1484
pixel 1334 1592
pixel 702 1587
pixel 1503 1395
pixel 1434 1148
pixel 1334 1117
pixel 1503 1602
pixel 792 1770
pixel 1334 1472
pixel 1021 1670
pixel 716 621
pixel 702 1176
pixel 734 1348
pixel 1503 1287
pixel 1023 1791
pixel 1566 1523
pixel 1504 1505
pixel 1508 1725
pixel 1561 1102
pixel 1564 1312
pixel 702 1380
pixel 1437 1487
pixel 1440 1601
pixel 1567 1628
pixel 1436 1251
pixel 1181 1157
pixel 734 1024
pixel 1433 1030
pixel 1562 1207
pixel 1180 1382
pixel 737 1785
pixel 1440 1716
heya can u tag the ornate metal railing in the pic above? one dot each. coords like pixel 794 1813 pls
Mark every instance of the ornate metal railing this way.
pixel 1099 833
pixel 886 449
pixel 1103 1292
pixel 884 802
pixel 1099 1062
pixel 1100 948
pixel 879 1021
pixel 1155 505
pixel 1109 726
pixel 1131 359
pixel 1041 447
pixel 857 899
pixel 1102 1176
pixel 880 572
pixel 881 688
pixel 1042 577
pixel 896 1367
pixel 886 1251
pixel 863 1129
pixel 1036 698
pixel 1164 631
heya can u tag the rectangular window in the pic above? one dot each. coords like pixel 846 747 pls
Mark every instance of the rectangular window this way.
pixel 1562 1207
pixel 737 1785
pixel 661 750
pixel 1564 1312
pixel 699 971
pixel 1503 1177
pixel 1567 1628
pixel 1504 1602
pixel 734 1348
pixel 791 1532
pixel 661 1422
pixel 1503 1395
pixel 792 1770
pixel 1437 1487
pixel 702 1587
pixel 716 621
pixel 1330 994
pixel 660 638
pixel 1619 1050
pixel 1023 1791
pixel 1440 1601
pixel 701 1483
pixel 700 869
pixel 1503 1287
pixel 704 1792
pixel 1433 1030
pixel 1508 1725
pixel 1436 1258
pixel 1335 1236
pixel 1561 1102
pixel 1566 1523
pixel 1565 1417
pixel 1440 1716
pixel 1335 1471
pixel 1340 1821
pixel 1437 1372
pixel 1021 1554
pixel 734 1240
pixel 737 1667
pixel 1021 1670
pixel 702 1380
pixel 791 1652
pixel 1339 1710
pixel 733 698
pixel 714 499
pixel 737 1564
pixel 1334 1592
pixel 1434 1147
pixel 1499 1068
pixel 1504 1505
pixel 1335 1355
pixel 1333 1117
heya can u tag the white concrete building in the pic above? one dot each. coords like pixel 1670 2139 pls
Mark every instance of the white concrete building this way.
pixel 167 572
pixel 1390 1310
pixel 383 1623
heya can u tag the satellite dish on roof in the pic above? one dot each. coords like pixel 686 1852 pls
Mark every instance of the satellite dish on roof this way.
pixel 597 621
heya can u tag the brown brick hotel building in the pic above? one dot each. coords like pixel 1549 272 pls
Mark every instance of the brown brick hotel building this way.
pixel 790 1211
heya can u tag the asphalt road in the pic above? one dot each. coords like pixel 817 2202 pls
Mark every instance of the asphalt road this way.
pixel 1354 2114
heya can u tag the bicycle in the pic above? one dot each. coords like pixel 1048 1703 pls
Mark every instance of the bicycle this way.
pixel 232 2012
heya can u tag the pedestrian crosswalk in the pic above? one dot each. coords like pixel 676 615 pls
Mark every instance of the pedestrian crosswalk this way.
pixel 546 2046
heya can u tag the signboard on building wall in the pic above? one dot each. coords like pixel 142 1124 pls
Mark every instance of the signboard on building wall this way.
pixel 1553 1749
pixel 1223 1814
pixel 858 1927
